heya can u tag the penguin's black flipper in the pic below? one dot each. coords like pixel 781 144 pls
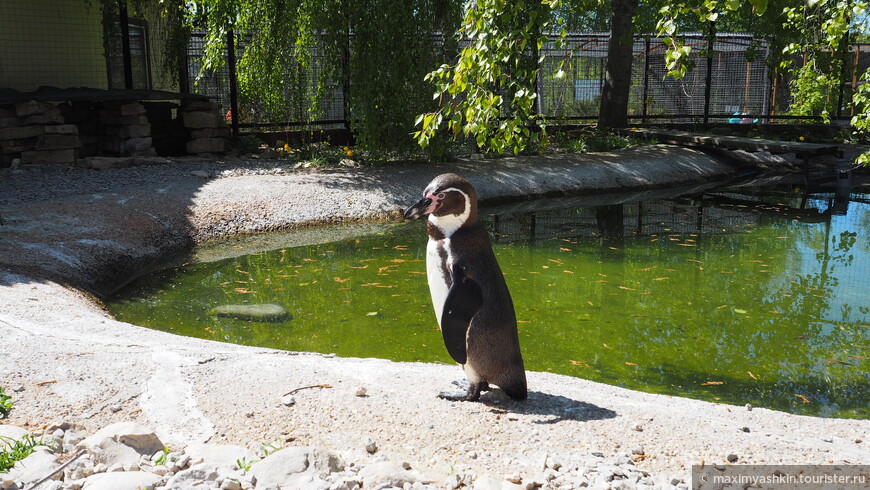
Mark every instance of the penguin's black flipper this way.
pixel 463 301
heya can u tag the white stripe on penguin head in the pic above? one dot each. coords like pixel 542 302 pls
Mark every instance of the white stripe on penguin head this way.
pixel 448 224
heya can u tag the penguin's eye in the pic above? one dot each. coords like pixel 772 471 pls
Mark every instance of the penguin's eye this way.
pixel 440 195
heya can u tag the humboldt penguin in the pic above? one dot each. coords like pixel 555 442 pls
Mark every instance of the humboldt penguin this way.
pixel 471 299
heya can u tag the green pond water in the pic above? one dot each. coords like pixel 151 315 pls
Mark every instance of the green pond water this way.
pixel 731 296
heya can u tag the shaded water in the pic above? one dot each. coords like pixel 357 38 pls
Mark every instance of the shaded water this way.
pixel 733 296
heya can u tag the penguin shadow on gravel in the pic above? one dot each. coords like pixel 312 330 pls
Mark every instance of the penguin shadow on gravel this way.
pixel 552 409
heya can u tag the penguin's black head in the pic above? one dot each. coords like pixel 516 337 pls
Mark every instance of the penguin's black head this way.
pixel 449 200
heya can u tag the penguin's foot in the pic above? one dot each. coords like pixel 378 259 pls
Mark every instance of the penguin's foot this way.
pixel 472 395
pixel 454 396
pixel 466 385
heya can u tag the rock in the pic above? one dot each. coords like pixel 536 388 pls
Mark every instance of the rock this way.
pixel 35 467
pixel 231 484
pixel 265 312
pixel 223 455
pixel 203 174
pixel 287 468
pixel 10 433
pixel 552 463
pixel 487 482
pixel 62 129
pixel 72 437
pixel 361 391
pixel 749 407
pixel 371 446
pixel 452 482
pixel 130 480
pixel 514 478
pixel 51 117
pixel 732 458
pixel 288 400
pixel 98 163
pixel 21 132
pixel 139 438
pixel 385 474
pixel 29 108
pixel 193 476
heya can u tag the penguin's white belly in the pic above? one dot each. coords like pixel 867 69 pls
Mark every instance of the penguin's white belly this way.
pixel 438 262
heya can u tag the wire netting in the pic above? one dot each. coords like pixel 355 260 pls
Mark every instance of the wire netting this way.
pixel 743 87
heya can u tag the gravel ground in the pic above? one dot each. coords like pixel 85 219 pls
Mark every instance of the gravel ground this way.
pixel 73 232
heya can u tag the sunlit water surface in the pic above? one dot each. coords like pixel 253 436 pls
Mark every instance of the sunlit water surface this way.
pixel 739 297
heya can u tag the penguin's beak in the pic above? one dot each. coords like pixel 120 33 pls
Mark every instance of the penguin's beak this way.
pixel 419 209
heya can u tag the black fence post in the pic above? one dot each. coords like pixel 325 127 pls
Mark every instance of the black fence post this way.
pixel 643 112
pixel 234 82
pixel 124 22
pixel 711 36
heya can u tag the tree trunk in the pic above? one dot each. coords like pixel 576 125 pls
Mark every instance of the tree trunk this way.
pixel 613 112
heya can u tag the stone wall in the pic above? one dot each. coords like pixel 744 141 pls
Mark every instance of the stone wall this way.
pixel 35 132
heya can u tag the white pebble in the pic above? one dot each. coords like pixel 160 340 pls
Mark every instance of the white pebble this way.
pixel 288 400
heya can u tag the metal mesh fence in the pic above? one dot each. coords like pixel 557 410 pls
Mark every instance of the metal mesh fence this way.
pixel 68 52
pixel 742 87
pixel 738 86
pixel 301 84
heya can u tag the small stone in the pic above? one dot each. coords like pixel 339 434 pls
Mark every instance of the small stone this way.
pixel 745 429
pixel 552 464
pixel 288 400
pixel 749 407
pixel 18 389
pixel 472 454
pixel 201 174
pixel 637 428
pixel 230 484
pixel 371 446
pixel 183 461
pixel 514 478
pixel 115 408
pixel 676 481
pixel 452 482
pixel 597 453
pixel 732 458
pixel 384 474
pixel 262 312
pixel 638 451
pixel 361 391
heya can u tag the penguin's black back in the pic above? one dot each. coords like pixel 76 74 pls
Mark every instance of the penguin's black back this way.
pixel 492 342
